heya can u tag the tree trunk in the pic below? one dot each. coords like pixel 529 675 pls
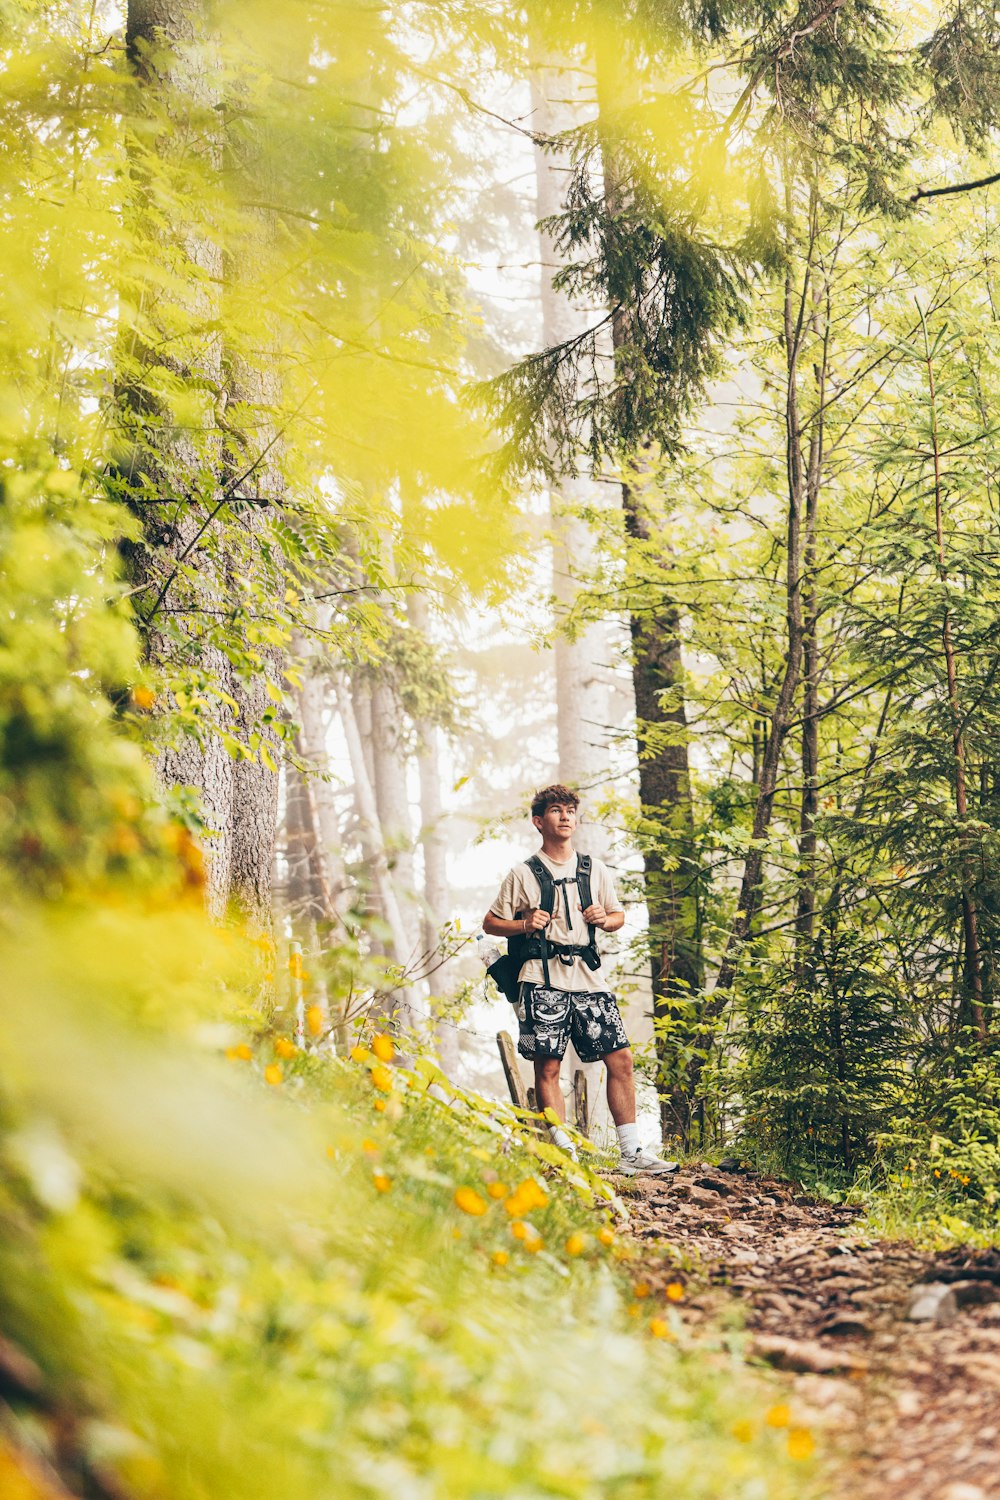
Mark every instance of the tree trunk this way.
pixel 310 700
pixel 177 567
pixel 253 457
pixel 805 914
pixel 372 835
pixel 436 902
pixel 582 654
pixel 672 869
pixel 970 911
pixel 795 321
pixel 392 798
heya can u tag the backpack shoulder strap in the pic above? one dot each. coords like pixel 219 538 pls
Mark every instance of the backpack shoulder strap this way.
pixel 543 875
pixel 584 865
pixel 547 902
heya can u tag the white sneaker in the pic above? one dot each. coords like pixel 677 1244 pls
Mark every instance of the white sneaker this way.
pixel 645 1161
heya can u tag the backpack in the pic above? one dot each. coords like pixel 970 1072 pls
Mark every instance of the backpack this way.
pixel 528 945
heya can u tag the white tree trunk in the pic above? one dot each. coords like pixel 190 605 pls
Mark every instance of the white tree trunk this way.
pixel 582 659
pixel 392 797
pixel 311 702
pixel 402 953
pixel 436 905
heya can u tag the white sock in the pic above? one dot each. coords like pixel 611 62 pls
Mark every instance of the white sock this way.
pixel 559 1138
pixel 628 1138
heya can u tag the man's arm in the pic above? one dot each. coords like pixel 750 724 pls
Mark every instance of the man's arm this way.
pixel 606 911
pixel 533 921
pixel 608 921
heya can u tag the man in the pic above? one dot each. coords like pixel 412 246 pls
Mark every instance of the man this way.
pixel 562 994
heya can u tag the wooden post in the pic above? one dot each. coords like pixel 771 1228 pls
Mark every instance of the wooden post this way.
pixel 580 1110
pixel 512 1072
pixel 532 1101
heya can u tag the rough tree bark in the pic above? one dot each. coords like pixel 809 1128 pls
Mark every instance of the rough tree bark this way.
pixel 176 567
pixel 253 453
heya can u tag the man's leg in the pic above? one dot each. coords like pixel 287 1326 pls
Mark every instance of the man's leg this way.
pixel 549 1096
pixel 621 1103
pixel 621 1086
pixel 547 1090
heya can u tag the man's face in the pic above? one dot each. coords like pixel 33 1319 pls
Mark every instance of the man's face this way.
pixel 557 821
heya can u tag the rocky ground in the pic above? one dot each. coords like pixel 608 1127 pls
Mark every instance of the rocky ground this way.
pixel 892 1356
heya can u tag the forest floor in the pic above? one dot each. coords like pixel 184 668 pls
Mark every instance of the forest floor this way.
pixel 904 1399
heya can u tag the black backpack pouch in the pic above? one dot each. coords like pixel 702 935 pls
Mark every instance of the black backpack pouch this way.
pixel 504 975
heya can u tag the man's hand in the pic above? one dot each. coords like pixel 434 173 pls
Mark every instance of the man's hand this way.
pixel 596 916
pixel 536 919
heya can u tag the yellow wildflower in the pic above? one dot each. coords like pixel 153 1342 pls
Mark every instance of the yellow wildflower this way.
pixel 370 1148
pixel 242 1053
pixel 801 1443
pixel 382 1079
pixel 272 1074
pixel 143 697
pixel 497 1189
pixel 360 1054
pixel 380 1105
pixel 532 1193
pixel 314 1019
pixel 576 1244
pixel 743 1431
pixel 285 1048
pixel 519 1229
pixel 383 1048
pixel 606 1235
pixel 469 1201
pixel 641 1289
pixel 526 1196
pixel 500 1257
pixel 533 1242
pixel 675 1292
pixel 778 1416
pixel 382 1182
pixel 660 1328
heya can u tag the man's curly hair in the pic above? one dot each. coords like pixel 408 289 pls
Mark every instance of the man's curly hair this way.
pixel 550 795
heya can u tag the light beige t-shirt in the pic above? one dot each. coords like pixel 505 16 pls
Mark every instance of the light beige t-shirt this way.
pixel 521 892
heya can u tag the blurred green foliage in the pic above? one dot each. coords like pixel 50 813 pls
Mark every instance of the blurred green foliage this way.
pixel 249 1269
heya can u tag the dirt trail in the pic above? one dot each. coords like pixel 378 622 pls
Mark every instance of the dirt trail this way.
pixel 909 1408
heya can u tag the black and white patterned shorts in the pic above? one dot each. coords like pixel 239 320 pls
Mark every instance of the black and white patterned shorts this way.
pixel 550 1019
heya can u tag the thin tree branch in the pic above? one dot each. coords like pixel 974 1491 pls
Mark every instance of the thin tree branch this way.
pixel 955 187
